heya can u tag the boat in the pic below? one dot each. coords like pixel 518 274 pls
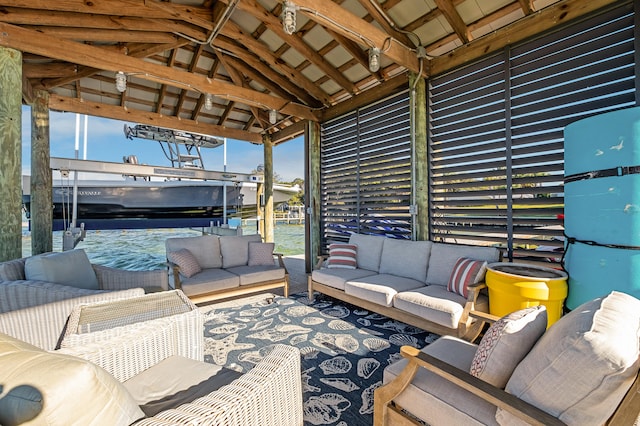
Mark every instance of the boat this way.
pixel 140 200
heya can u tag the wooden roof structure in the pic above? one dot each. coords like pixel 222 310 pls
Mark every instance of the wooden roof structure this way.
pixel 228 68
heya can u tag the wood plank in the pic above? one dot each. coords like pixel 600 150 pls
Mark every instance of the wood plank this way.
pixel 340 20
pixel 526 27
pixel 34 42
pixel 296 41
pixel 48 70
pixel 63 103
pixel 453 18
pixel 106 36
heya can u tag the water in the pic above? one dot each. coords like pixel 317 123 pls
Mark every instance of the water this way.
pixel 143 249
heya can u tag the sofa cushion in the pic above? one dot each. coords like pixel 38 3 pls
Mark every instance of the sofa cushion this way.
pixel 53 388
pixel 584 364
pixel 12 270
pixel 506 343
pixel 466 272
pixel 71 268
pixel 337 278
pixel 439 401
pixel 435 303
pixel 380 288
pixel 443 257
pixel 260 254
pixel 369 250
pixel 186 261
pixel 405 258
pixel 159 387
pixel 208 280
pixel 205 248
pixel 342 256
pixel 255 274
pixel 235 249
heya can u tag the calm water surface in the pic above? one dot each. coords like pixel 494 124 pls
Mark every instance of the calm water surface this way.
pixel 141 249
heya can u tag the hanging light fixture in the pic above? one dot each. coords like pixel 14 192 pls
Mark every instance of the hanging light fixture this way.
pixel 374 59
pixel 289 17
pixel 208 102
pixel 121 82
pixel 273 116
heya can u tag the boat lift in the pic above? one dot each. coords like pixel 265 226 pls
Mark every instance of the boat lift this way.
pixel 185 164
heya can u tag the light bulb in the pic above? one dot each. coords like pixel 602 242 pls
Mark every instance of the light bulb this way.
pixel 273 116
pixel 208 102
pixel 289 17
pixel 374 59
pixel 121 82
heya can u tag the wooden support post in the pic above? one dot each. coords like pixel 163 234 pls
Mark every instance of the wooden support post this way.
pixel 41 180
pixel 260 207
pixel 11 151
pixel 420 157
pixel 268 188
pixel 313 239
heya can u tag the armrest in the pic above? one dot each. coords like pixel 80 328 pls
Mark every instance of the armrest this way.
pixel 281 262
pixel 321 259
pixel 484 316
pixel 175 269
pixel 498 397
pixel 470 327
pixel 120 279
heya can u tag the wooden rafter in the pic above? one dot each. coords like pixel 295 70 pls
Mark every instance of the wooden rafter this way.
pixel 453 17
pixel 34 42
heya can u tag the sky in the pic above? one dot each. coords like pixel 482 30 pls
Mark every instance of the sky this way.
pixel 106 142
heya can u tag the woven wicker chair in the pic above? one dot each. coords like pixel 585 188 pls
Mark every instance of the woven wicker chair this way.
pixel 131 338
pixel 16 292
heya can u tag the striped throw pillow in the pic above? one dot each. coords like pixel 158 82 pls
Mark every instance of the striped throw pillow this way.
pixel 342 256
pixel 466 272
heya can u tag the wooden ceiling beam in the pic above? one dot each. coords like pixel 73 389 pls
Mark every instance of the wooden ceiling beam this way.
pixel 48 70
pixel 454 19
pixel 234 32
pixel 66 104
pixel 234 50
pixel 378 16
pixel 107 36
pixel 238 80
pixel 296 42
pixel 133 50
pixel 52 18
pixel 530 25
pixel 35 42
pixel 527 6
pixel 331 15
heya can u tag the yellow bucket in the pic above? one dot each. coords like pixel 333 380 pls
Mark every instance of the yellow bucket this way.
pixel 515 286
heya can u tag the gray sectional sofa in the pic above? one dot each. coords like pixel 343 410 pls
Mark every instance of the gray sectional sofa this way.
pixel 211 267
pixel 407 281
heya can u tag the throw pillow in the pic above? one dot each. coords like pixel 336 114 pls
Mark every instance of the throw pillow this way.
pixel 342 256
pixel 466 272
pixel 506 343
pixel 71 268
pixel 261 254
pixel 57 389
pixel 186 261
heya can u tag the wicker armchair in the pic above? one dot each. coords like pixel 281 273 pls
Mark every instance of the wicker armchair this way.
pixel 17 292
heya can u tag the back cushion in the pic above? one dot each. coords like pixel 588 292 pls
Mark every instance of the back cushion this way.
pixel 235 250
pixel 68 267
pixel 12 270
pixel 444 257
pixel 405 258
pixel 56 389
pixel 206 249
pixel 369 250
pixel 581 368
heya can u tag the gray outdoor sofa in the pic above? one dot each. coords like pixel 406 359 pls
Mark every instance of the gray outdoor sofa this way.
pixel 407 281
pixel 211 267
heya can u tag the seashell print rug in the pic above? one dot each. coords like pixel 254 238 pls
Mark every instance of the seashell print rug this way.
pixel 344 349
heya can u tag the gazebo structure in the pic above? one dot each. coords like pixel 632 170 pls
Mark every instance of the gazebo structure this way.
pixel 431 119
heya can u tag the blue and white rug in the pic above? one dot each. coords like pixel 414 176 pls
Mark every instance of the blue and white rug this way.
pixel 344 349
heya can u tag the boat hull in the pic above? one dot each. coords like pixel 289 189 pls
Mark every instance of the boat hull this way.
pixel 148 204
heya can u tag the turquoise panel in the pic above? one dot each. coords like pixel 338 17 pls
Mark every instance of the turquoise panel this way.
pixel 604 210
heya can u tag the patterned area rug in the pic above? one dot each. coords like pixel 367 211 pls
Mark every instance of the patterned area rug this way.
pixel 344 349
